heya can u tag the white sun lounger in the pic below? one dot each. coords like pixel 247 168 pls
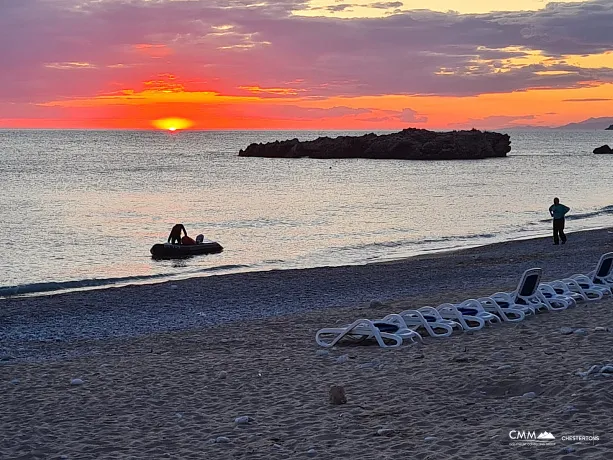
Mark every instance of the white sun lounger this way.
pixel 527 296
pixel 550 293
pixel 601 279
pixel 429 319
pixel 505 313
pixel 571 288
pixel 387 334
pixel 603 275
pixel 587 285
pixel 467 312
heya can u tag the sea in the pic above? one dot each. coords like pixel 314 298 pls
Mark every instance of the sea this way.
pixel 80 209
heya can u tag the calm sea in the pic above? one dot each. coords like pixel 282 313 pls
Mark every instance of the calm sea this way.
pixel 83 208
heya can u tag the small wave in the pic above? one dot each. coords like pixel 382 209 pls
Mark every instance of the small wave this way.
pixel 607 210
pixel 416 243
pixel 34 288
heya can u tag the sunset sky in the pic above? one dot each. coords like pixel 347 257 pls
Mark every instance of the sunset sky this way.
pixel 304 64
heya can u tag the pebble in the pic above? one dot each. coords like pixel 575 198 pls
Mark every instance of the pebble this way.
pixel 243 420
pixel 222 375
pixel 277 446
pixel 375 304
pixel 570 409
pixel 529 395
pixel 568 450
pixel 385 432
pixel 430 438
pixel 601 329
pixel 311 453
pixel 504 367
pixel 337 395
pixel 75 382
pixel 369 365
pixel 174 286
pixel 342 359
pixel 15 381
pixel 566 330
pixel 582 332
pixel 222 440
pixel 322 352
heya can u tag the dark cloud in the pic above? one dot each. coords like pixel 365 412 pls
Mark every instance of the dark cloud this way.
pixel 225 45
pixel 386 5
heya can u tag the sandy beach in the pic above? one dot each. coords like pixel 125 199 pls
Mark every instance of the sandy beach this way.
pixel 166 369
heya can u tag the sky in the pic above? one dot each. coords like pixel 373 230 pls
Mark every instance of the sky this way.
pixel 304 64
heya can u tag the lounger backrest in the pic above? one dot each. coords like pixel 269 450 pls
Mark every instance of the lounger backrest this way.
pixel 529 282
pixel 604 265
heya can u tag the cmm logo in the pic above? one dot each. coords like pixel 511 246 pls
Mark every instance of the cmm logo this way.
pixel 521 435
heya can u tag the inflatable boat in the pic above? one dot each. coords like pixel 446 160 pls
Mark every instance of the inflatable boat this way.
pixel 171 251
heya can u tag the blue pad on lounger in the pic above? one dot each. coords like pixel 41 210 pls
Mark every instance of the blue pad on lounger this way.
pixel 386 327
pixel 468 311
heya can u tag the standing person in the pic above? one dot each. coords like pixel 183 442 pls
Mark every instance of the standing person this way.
pixel 175 234
pixel 558 211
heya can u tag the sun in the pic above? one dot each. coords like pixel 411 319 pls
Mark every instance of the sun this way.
pixel 172 124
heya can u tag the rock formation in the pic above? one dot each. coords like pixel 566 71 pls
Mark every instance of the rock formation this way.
pixel 610 128
pixel 603 149
pixel 408 144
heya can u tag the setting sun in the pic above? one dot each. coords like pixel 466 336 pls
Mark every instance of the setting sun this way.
pixel 173 124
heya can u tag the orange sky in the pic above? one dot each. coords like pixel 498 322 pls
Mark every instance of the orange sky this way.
pixel 202 65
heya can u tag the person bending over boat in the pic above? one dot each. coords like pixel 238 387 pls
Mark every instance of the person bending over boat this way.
pixel 175 234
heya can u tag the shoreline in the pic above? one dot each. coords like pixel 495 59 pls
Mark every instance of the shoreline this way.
pixel 172 393
pixel 34 328
pixel 93 284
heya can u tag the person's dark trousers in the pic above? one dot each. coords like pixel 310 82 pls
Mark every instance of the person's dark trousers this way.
pixel 558 231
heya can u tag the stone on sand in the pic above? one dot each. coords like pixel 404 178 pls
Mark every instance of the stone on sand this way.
pixel 337 395
pixel 243 420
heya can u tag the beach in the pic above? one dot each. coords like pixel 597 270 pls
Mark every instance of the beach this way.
pixel 165 369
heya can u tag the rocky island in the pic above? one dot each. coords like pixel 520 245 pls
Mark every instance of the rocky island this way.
pixel 610 128
pixel 603 149
pixel 408 144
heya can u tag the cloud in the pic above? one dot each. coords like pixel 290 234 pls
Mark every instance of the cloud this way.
pixel 594 99
pixel 492 122
pixel 230 45
pixel 387 5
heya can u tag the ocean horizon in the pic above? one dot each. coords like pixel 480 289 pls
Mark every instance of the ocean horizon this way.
pixel 81 208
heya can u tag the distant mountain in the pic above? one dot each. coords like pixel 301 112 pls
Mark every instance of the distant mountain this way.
pixel 591 123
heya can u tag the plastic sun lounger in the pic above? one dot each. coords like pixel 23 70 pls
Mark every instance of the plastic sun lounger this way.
pixel 430 320
pixel 467 312
pixel 603 275
pixel 571 287
pixel 387 334
pixel 600 279
pixel 505 313
pixel 586 283
pixel 552 294
pixel 527 296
